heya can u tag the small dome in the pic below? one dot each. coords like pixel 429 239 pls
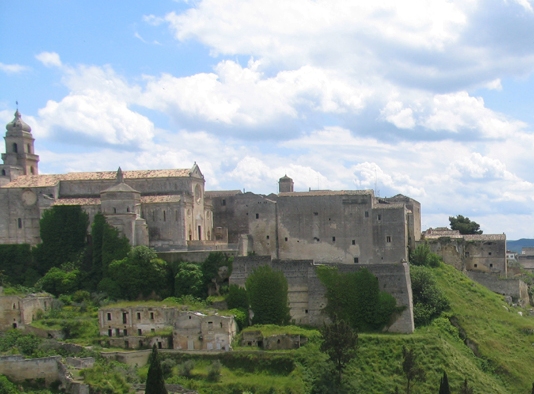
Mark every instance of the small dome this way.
pixel 285 178
pixel 18 124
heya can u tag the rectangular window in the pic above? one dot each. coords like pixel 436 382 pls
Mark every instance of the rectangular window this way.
pixel 366 214
pixel 491 265
pixel 109 316
pixel 333 239
pixel 20 223
pixel 267 237
pixel 354 242
pixel 117 332
pixel 139 331
pixel 388 239
pixel 110 332
pixel 223 202
pixel 285 239
pixel 356 260
pixel 138 315
pixel 125 332
pixel 379 217
pixel 124 318
pixel 257 216
pixel 151 315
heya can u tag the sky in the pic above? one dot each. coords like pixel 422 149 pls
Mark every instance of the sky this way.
pixel 430 99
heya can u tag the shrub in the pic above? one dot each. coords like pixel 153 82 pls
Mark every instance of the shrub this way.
pixel 186 368
pixel 214 371
pixel 428 300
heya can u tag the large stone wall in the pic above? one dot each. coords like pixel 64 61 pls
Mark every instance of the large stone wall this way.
pixel 515 288
pixel 19 369
pixel 307 294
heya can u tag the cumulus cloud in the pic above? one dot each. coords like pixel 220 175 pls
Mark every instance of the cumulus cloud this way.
pixel 12 68
pixel 49 59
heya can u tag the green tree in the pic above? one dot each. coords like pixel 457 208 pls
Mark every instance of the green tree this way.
pixel 424 257
pixel 6 387
pixel 444 384
pixel 154 379
pixel 211 271
pixel 139 275
pixel 355 297
pixel 188 280
pixel 63 231
pixel 465 389
pixel 464 225
pixel 428 300
pixel 60 281
pixel 15 260
pixel 339 343
pixel 267 293
pixel 411 369
pixel 237 297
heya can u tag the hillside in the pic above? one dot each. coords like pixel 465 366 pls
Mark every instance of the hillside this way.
pixel 517 245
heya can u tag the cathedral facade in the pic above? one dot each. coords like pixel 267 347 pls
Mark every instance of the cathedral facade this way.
pixel 165 209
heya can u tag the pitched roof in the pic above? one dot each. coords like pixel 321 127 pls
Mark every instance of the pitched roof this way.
pixel 51 180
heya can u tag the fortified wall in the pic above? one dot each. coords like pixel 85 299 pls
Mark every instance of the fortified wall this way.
pixel 515 288
pixel 306 293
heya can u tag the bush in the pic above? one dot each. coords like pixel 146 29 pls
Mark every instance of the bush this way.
pixel 214 371
pixel 428 300
pixel 422 256
pixel 186 368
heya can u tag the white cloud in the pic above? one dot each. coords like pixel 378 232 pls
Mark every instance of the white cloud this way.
pixel 399 116
pixel 49 59
pixel 12 68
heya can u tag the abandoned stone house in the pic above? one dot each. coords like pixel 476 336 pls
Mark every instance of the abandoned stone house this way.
pixel 470 252
pixel 18 311
pixel 143 326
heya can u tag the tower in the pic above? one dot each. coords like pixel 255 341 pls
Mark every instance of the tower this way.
pixel 20 157
pixel 285 185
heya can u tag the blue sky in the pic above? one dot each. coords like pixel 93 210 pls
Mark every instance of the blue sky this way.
pixel 431 99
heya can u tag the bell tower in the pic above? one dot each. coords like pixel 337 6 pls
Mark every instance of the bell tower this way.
pixel 20 157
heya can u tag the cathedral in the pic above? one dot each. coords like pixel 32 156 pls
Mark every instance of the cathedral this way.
pixel 170 211
pixel 165 209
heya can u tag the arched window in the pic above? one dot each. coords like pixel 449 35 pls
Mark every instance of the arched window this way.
pixel 15 148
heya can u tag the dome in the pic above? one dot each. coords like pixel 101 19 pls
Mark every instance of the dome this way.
pixel 18 124
pixel 285 178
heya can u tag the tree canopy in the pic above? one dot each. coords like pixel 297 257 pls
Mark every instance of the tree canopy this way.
pixel 428 300
pixel 339 343
pixel 189 280
pixel 267 294
pixel 464 225
pixel 138 275
pixel 63 231
pixel 355 297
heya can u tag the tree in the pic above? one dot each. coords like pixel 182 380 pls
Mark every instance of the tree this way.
pixel 411 370
pixel 63 231
pixel 267 293
pixel 140 274
pixel 60 281
pixel 188 280
pixel 356 298
pixel 339 343
pixel 444 384
pixel 213 271
pixel 464 225
pixel 155 384
pixel 428 300
pixel 424 257
pixel 465 389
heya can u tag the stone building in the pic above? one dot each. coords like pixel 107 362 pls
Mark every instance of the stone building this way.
pixel 142 326
pixel 17 311
pixel 347 226
pixel 165 209
pixel 196 331
pixel 471 252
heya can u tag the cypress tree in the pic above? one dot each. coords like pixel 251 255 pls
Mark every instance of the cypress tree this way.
pixel 155 384
pixel 444 384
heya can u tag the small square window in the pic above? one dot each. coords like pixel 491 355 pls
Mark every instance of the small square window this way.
pixel 476 265
pixel 489 253
pixel 257 216
pixel 491 265
pixel 285 239
pixel 267 237
pixel 354 242
pixel 356 260
pixel 388 239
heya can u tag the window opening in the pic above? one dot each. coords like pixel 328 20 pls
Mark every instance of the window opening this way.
pixel 333 239
pixel 354 242
pixel 20 223
pixel 257 216
pixel 109 316
pixel 15 148
pixel 356 260
pixel 388 239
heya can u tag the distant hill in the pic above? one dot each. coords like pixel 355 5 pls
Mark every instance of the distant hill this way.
pixel 516 246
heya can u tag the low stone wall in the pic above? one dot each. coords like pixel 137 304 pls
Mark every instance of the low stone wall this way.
pixel 18 369
pixel 515 288
pixel 139 358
